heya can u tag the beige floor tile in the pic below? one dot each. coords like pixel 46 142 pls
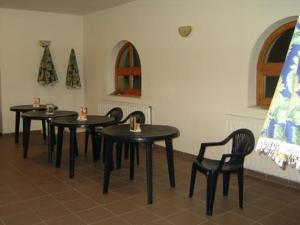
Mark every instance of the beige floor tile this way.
pixel 95 214
pixel 27 218
pixel 186 217
pixel 230 218
pixel 80 204
pixel 51 212
pixel 121 207
pixel 113 221
pixel 66 220
pixel 139 217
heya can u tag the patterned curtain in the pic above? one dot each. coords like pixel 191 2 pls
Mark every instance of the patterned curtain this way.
pixel 73 79
pixel 280 136
pixel 47 74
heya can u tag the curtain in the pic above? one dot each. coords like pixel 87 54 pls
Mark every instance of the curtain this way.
pixel 280 135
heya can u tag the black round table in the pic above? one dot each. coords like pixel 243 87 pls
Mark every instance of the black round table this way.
pixel 72 123
pixel 149 134
pixel 26 108
pixel 43 116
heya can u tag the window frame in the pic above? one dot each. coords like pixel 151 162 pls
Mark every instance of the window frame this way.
pixel 264 69
pixel 130 71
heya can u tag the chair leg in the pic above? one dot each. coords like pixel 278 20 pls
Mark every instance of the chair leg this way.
pixel 104 152
pixel 226 179
pixel 193 179
pixel 98 145
pixel 86 141
pixel 211 190
pixel 241 187
pixel 99 137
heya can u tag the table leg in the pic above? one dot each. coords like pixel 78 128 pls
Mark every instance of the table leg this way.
pixel 60 134
pixel 86 141
pixel 94 146
pixel 17 126
pixel 26 131
pixel 108 162
pixel 149 172
pixel 23 135
pixel 53 136
pixel 76 150
pixel 44 129
pixel 72 152
pixel 50 144
pixel 170 159
pixel 132 157
pixel 119 154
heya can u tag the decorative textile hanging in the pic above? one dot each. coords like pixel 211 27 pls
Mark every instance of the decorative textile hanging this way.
pixel 72 79
pixel 47 74
pixel 280 136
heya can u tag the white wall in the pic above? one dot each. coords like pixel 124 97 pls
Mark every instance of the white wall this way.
pixel 20 56
pixel 190 82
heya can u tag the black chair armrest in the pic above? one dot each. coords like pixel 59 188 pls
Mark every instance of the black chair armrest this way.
pixel 225 156
pixel 203 148
pixel 209 144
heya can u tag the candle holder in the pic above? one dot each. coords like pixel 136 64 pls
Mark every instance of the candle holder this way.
pixel 50 109
pixel 134 125
pixel 82 114
pixel 36 102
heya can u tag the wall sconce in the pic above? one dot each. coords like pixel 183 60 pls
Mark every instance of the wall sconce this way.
pixel 184 31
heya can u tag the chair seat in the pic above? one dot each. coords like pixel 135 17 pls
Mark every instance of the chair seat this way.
pixel 210 164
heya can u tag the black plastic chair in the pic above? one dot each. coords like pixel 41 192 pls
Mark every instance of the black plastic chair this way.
pixel 242 144
pixel 134 147
pixel 116 113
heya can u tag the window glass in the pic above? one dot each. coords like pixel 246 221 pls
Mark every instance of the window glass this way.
pixel 128 73
pixel 123 82
pixel 271 83
pixel 124 59
pixel 137 82
pixel 280 47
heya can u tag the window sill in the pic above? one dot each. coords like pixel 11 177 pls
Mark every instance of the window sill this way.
pixel 125 95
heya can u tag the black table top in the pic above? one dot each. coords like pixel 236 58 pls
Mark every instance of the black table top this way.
pixel 92 121
pixel 149 133
pixel 44 115
pixel 24 108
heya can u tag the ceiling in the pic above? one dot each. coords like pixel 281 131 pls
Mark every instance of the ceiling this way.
pixel 78 7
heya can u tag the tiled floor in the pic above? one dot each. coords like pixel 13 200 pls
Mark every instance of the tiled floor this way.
pixel 35 192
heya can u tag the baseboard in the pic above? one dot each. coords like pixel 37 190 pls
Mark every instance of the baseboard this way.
pixel 252 173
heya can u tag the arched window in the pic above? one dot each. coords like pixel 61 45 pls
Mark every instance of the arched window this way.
pixel 128 76
pixel 270 62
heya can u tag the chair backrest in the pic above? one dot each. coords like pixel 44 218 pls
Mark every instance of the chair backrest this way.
pixel 116 113
pixel 139 115
pixel 242 143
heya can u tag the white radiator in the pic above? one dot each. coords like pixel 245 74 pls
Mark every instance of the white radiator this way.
pixel 257 161
pixel 104 106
